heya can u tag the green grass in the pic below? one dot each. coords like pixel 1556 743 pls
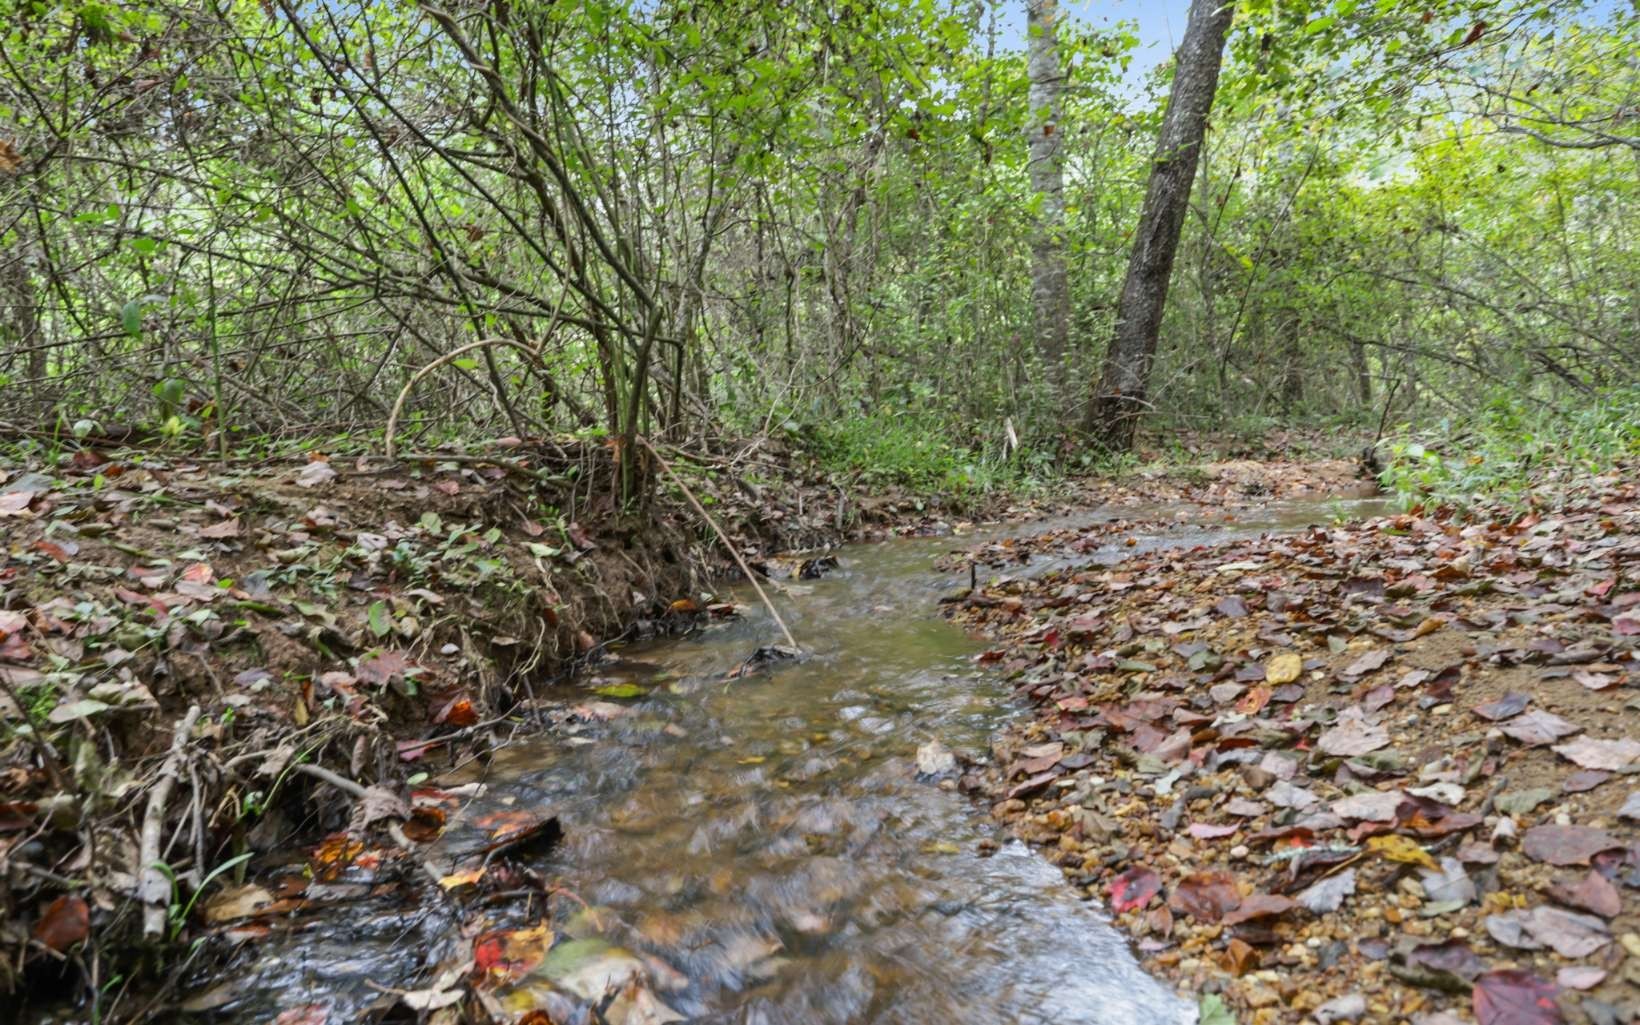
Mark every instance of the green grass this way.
pixel 1512 452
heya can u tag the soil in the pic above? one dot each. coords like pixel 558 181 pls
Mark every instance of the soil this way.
pixel 1377 771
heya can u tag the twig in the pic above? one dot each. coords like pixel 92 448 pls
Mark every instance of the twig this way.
pixel 154 890
pixel 733 552
pixel 358 792
pixel 483 343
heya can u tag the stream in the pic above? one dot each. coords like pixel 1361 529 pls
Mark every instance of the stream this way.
pixel 761 850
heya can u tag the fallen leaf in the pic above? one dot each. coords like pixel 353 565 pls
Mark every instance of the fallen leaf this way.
pixel 1240 957
pixel 238 902
pixel 1133 889
pixel 1328 894
pixel 1593 893
pixel 1206 896
pixel 220 531
pixel 1615 755
pixel 1538 727
pixel 1567 933
pixel 1353 735
pixel 1631 807
pixel 1283 668
pixel 1449 883
pixel 65 922
pixel 1506 707
pixel 1370 662
pixel 314 474
pixel 1372 806
pixel 1259 905
pixel 1514 997
pixel 1566 845
pixel 1521 802
pixel 1579 976
pixel 1397 848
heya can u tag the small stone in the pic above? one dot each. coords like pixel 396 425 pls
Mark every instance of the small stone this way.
pixel 1239 851
pixel 1631 943
pixel 1349 1007
pixel 1258 995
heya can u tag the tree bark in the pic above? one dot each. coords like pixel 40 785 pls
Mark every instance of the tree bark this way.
pixel 1050 289
pixel 1120 397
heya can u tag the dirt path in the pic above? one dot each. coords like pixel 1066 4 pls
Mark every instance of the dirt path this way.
pixel 1377 771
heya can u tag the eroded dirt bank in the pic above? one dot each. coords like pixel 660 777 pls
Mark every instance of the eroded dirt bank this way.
pixel 1377 771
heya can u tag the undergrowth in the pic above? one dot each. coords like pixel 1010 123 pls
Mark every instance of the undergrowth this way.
pixel 1512 452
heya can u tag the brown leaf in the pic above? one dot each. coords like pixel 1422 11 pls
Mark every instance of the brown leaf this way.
pixel 1260 905
pixel 1240 957
pixel 382 667
pixel 1567 845
pixel 1593 893
pixel 237 902
pixel 1206 896
pixel 220 531
pixel 65 922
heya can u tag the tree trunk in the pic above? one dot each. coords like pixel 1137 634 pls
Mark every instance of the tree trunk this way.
pixel 1120 398
pixel 1050 290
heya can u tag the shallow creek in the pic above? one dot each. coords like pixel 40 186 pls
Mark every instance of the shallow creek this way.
pixel 761 850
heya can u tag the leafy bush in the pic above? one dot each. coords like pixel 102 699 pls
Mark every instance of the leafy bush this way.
pixel 1510 448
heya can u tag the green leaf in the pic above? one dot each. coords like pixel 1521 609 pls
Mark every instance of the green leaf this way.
pixel 466 363
pixel 144 246
pixel 131 318
pixel 380 622
pixel 1211 1011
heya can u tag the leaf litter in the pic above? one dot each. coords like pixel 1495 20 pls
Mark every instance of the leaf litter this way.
pixel 1448 847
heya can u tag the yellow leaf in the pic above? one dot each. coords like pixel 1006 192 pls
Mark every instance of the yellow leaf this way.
pixel 1284 668
pixel 1399 848
pixel 466 877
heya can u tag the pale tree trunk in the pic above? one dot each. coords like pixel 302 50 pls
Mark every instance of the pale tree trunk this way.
pixel 1121 394
pixel 1050 292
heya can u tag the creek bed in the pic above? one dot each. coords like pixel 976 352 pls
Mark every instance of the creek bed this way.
pixel 761 850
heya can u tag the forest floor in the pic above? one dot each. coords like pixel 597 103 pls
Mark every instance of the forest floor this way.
pixel 218 657
pixel 1377 771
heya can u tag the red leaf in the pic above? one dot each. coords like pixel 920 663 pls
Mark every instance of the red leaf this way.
pixel 1133 889
pixel 1514 997
pixel 67 921
pixel 458 711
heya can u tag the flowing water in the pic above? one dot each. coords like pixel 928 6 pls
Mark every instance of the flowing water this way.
pixel 761 849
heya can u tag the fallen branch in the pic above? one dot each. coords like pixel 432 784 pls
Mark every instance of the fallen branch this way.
pixel 154 889
pixel 733 551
